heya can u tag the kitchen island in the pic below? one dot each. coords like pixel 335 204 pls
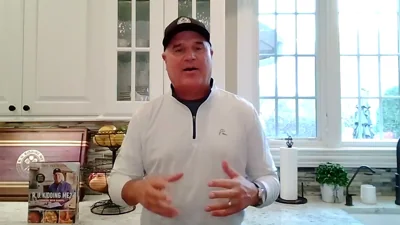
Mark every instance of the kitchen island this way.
pixel 314 212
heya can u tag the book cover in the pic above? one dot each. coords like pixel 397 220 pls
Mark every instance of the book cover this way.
pixel 53 192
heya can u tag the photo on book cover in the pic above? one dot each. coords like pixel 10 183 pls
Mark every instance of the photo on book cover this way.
pixel 53 192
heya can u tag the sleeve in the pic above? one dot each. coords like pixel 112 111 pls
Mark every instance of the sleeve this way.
pixel 128 164
pixel 260 164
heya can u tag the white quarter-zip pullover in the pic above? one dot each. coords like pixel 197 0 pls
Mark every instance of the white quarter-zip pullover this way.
pixel 163 138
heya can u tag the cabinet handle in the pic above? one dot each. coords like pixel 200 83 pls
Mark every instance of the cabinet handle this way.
pixel 11 108
pixel 26 108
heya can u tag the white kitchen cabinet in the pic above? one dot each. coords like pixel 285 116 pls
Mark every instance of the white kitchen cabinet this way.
pixel 11 30
pixel 62 57
pixel 60 71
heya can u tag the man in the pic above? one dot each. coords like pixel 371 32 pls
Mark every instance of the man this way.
pixel 59 184
pixel 196 155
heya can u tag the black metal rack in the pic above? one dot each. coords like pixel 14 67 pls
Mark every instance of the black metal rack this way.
pixel 112 140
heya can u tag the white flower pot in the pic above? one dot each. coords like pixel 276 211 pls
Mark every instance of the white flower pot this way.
pixel 332 194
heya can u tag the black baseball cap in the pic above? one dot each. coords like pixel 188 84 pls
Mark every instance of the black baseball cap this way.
pixel 56 170
pixel 184 23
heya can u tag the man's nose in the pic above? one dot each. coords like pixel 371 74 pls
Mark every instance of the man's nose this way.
pixel 190 55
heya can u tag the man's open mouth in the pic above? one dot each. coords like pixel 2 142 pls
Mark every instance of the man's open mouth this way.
pixel 190 69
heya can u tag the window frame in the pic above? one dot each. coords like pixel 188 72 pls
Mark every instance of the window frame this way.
pixel 327 146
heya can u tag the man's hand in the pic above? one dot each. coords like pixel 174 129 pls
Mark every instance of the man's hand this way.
pixel 239 193
pixel 152 196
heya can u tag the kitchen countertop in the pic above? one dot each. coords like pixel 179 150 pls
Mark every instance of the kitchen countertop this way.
pixel 314 212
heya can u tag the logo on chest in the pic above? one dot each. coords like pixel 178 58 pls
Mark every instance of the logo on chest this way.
pixel 223 132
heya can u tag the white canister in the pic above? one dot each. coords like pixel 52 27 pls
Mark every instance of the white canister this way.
pixel 368 194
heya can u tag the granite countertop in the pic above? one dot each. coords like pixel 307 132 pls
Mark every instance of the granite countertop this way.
pixel 313 213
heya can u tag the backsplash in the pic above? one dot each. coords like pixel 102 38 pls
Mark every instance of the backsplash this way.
pixel 383 179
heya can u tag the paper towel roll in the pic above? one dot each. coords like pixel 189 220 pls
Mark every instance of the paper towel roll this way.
pixel 288 173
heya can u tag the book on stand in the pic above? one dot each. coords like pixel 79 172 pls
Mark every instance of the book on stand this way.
pixel 53 192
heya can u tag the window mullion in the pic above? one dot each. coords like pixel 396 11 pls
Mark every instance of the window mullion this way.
pixel 328 73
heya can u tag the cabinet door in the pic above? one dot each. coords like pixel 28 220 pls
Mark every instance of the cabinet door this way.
pixel 63 57
pixel 11 24
pixel 133 55
pixel 212 14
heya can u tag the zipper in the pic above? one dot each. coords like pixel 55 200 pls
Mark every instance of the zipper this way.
pixel 194 126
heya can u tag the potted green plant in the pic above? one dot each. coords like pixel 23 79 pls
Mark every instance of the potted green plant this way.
pixel 333 179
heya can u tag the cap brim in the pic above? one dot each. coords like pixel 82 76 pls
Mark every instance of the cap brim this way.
pixel 185 27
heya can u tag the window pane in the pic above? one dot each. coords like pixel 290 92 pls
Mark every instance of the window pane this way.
pixel 349 108
pixel 142 76
pixel 306 76
pixel 285 6
pixel 388 33
pixel 369 76
pixel 367 33
pixel 390 76
pixel 267 36
pixel 305 6
pixel 390 118
pixel 203 12
pixel 348 34
pixel 124 78
pixel 286 118
pixel 365 119
pixel 349 76
pixel 124 24
pixel 185 8
pixel 142 23
pixel 306 34
pixel 267 115
pixel 307 118
pixel 266 72
pixel 266 6
pixel 286 30
pixel 286 76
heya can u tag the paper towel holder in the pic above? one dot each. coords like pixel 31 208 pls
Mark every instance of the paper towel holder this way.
pixel 300 199
pixel 289 141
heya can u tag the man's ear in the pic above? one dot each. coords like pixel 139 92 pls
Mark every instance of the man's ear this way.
pixel 163 56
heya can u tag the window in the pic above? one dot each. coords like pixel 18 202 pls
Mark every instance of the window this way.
pixel 294 35
pixel 369 65
pixel 287 68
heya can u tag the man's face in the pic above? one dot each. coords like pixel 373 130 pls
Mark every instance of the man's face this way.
pixel 57 178
pixel 188 60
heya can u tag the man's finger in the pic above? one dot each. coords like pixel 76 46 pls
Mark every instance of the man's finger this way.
pixel 225 212
pixel 175 177
pixel 223 183
pixel 218 206
pixel 159 183
pixel 164 209
pixel 230 193
pixel 168 209
pixel 158 195
pixel 229 170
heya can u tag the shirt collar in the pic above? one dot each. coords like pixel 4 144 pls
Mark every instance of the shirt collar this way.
pixel 201 100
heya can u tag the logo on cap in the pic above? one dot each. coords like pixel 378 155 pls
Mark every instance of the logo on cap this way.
pixel 184 20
